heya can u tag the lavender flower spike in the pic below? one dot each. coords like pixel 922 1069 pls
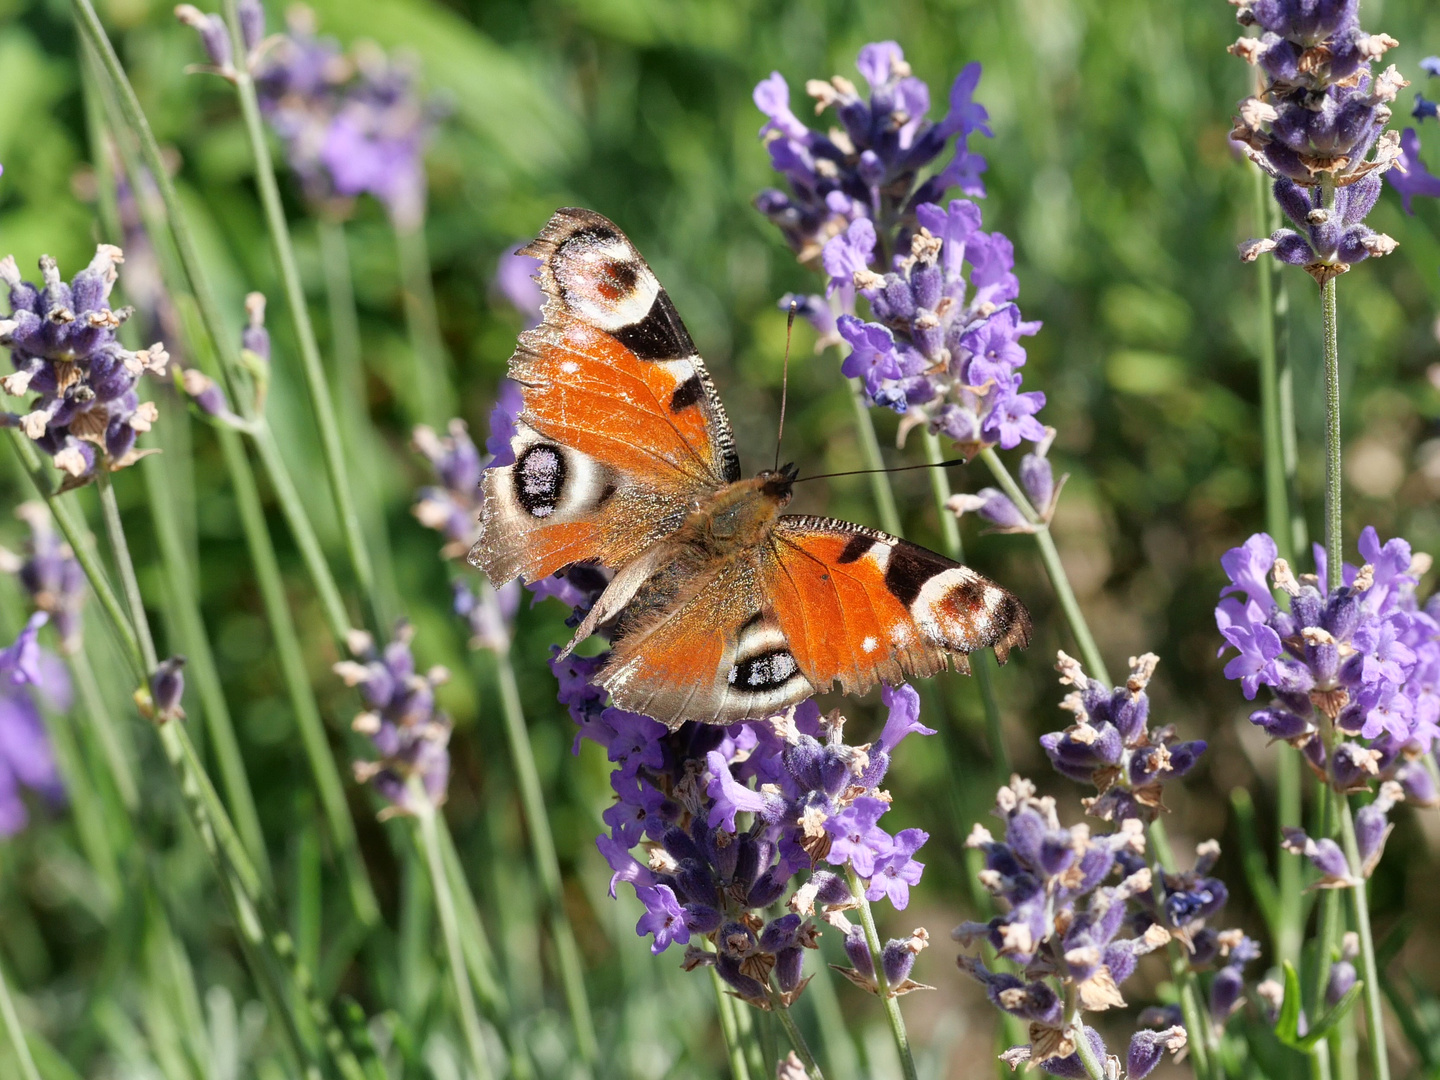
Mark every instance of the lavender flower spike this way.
pixel 63 345
pixel 411 737
pixel 50 574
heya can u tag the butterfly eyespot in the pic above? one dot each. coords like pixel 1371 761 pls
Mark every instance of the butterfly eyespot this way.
pixel 540 478
pixel 768 671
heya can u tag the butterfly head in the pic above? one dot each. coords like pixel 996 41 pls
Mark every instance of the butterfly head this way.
pixel 778 483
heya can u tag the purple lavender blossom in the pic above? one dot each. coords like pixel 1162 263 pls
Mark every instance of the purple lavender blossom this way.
pixel 1322 112
pixel 451 507
pixel 26 673
pixel 1367 656
pixel 411 737
pixel 1319 124
pixel 734 818
pixel 1060 923
pixel 945 347
pixel 1037 479
pixel 351 125
pixel 63 346
pixel 1112 746
pixel 868 167
pixel 1329 241
pixel 49 573
pixel 1410 177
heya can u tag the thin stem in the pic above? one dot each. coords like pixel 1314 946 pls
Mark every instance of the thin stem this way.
pixel 421 316
pixel 362 441
pixel 542 848
pixel 115 533
pixel 782 1013
pixel 1277 420
pixel 319 391
pixel 1360 913
pixel 880 488
pixel 290 657
pixel 1054 568
pixel 117 758
pixel 450 928
pixel 1334 538
pixel 16 1032
pixel 882 985
pixel 725 1008
pixel 982 664
pixel 1093 1068
pixel 185 610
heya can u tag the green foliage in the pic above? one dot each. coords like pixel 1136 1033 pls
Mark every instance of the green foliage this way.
pixel 1111 171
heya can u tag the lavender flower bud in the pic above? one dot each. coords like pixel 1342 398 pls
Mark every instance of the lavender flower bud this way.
pixel 1353 765
pixel 252 23
pixel 789 965
pixel 1373 827
pixel 214 35
pixel 167 686
pixel 1226 992
pixel 1325 855
pixel 898 956
pixel 1418 783
pixel 1148 1047
pixel 994 506
pixel 859 952
pixel 1342 978
pixel 255 339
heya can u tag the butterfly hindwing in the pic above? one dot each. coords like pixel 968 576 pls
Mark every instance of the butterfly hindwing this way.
pixel 860 607
pixel 699 642
pixel 621 428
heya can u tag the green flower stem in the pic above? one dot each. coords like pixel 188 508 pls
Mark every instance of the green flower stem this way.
pixel 291 659
pixel 450 928
pixel 1279 516
pixel 256 919
pixel 880 488
pixel 725 1008
pixel 432 366
pixel 105 732
pixel 362 441
pixel 319 390
pixel 129 583
pixel 887 999
pixel 16 1033
pixel 1360 914
pixel 542 848
pixel 1054 568
pixel 1334 540
pixel 982 664
pixel 781 1012
pixel 1094 1069
pixel 120 95
pixel 185 609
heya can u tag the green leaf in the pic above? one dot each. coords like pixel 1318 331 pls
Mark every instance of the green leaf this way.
pixel 1327 1022
pixel 1287 1024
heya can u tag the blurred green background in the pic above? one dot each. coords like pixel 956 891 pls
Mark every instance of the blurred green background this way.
pixel 1109 168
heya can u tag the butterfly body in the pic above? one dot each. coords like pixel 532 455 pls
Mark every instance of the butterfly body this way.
pixel 722 607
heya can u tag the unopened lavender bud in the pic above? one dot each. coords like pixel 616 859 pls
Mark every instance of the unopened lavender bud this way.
pixel 1325 855
pixel 992 505
pixel 214 36
pixel 205 392
pixel 167 687
pixel 1342 978
pixel 1038 479
pixel 252 22
pixel 1148 1047
pixel 859 952
pixel 1418 784
pixel 255 337
pixel 1225 992
pixel 898 957
pixel 1372 825
pixel 1352 766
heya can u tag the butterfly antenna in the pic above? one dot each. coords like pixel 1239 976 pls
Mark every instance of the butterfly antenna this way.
pixel 785 379
pixel 898 468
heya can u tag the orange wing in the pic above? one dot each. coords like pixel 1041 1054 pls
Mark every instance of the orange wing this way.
pixel 621 430
pixel 820 601
pixel 861 607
